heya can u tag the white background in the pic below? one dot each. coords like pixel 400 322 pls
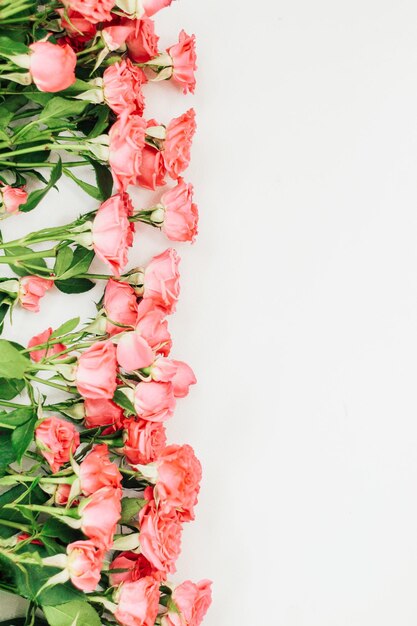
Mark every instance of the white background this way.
pixel 298 308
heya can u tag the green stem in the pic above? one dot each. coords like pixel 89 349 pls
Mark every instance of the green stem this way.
pixel 10 260
pixel 18 526
pixel 49 383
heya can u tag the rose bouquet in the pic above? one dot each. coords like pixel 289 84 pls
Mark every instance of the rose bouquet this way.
pixel 93 497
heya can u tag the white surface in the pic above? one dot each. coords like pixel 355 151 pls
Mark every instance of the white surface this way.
pixel 298 309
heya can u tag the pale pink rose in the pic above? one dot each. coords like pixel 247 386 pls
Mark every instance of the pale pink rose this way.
pixel 122 84
pixel 153 6
pixel 177 147
pixel 152 326
pixel 154 402
pixel 134 352
pixel 138 602
pixel 127 140
pixel 76 25
pixel 136 567
pixel 159 535
pixel 52 67
pixel 12 198
pixel 102 413
pixel 96 371
pixel 120 305
pixel 177 372
pixel 56 439
pixel 181 214
pixel 178 483
pixel 115 36
pixel 192 601
pixel 112 233
pixel 84 564
pixel 184 61
pixel 97 471
pixel 94 11
pixel 38 340
pixel 100 514
pixel 162 284
pixel 143 441
pixel 31 290
pixel 142 43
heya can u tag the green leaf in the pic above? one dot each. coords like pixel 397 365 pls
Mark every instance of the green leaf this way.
pixel 92 191
pixel 74 285
pixel 5 117
pixel 65 328
pixel 36 196
pixel 23 435
pixel 122 400
pixel 9 389
pixel 7 453
pixel 130 509
pixel 76 613
pixel 40 97
pixel 80 263
pixel 9 47
pixel 61 108
pixel 16 417
pixel 102 121
pixel 14 103
pixel 20 269
pixel 63 260
pixel 57 530
pixel 35 496
pixel 12 363
pixel 104 178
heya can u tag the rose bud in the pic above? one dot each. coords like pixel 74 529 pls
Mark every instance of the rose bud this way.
pixel 142 43
pixel 180 214
pixel 120 306
pixel 96 371
pixel 154 402
pixel 136 567
pixel 94 11
pixel 97 471
pixel 138 602
pixel 127 140
pixel 161 284
pixel 100 514
pixel 191 603
pixel 84 563
pixel 122 84
pixel 37 340
pixel 31 290
pixel 184 61
pixel 52 67
pixel 12 198
pixel 56 439
pixel 143 441
pixel 112 233
pixel 177 145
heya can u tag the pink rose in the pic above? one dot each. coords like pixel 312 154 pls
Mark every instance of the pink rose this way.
pixel 93 10
pixel 84 564
pixel 143 441
pixel 184 61
pixel 154 402
pixel 192 601
pixel 134 352
pixel 100 514
pixel 38 340
pixel 62 494
pixel 181 214
pixel 56 440
pixel 136 567
pixel 127 140
pixel 177 372
pixel 153 6
pixel 153 327
pixel 152 169
pixel 122 84
pixel 162 283
pixel 115 36
pixel 120 305
pixel 77 26
pixel 142 43
pixel 12 198
pixel 97 471
pixel 31 290
pixel 160 536
pixel 52 67
pixel 112 233
pixel 179 476
pixel 96 371
pixel 177 147
pixel 102 413
pixel 138 602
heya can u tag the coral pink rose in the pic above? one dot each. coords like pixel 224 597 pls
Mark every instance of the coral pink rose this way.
pixel 56 440
pixel 143 441
pixel 52 67
pixel 154 402
pixel 177 372
pixel 134 352
pixel 152 170
pixel 97 471
pixel 100 514
pixel 12 198
pixel 138 602
pixel 181 214
pixel 153 6
pixel 142 43
pixel 96 371
pixel 136 567
pixel 122 84
pixel 153 327
pixel 184 61
pixel 120 305
pixel 84 564
pixel 62 494
pixel 102 413
pixel 159 536
pixel 192 601
pixel 177 146
pixel 94 11
pixel 31 290
pixel 178 483
pixel 115 36
pixel 127 140
pixel 38 340
pixel 162 283
pixel 112 233
pixel 76 25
